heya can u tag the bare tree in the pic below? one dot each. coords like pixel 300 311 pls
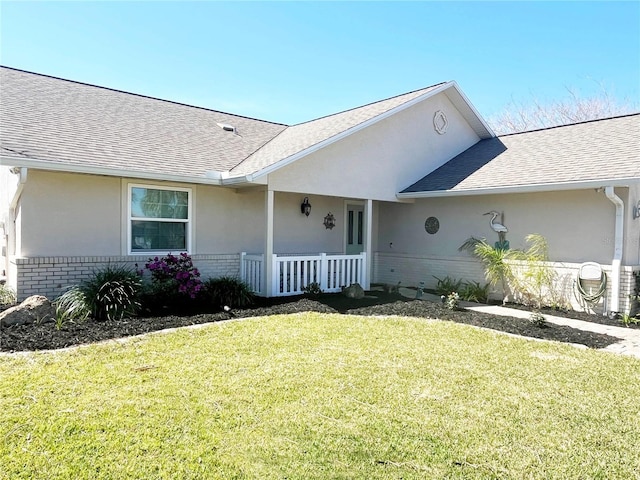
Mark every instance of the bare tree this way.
pixel 519 117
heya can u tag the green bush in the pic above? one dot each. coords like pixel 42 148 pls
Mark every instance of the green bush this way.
pixel 447 285
pixel 7 295
pixel 227 291
pixel 71 306
pixel 112 293
pixel 474 292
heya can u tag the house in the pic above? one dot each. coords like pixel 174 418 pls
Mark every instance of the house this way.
pixel 385 192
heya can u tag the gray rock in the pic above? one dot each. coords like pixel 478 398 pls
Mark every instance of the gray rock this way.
pixel 35 309
pixel 353 291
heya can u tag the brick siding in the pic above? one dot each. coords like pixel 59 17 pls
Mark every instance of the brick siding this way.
pixel 410 270
pixel 50 276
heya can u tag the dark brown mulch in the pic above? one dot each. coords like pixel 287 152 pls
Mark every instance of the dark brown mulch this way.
pixel 46 336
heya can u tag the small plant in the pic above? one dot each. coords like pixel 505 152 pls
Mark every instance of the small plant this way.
pixel 537 319
pixel 452 301
pixel 312 289
pixel 447 285
pixel 474 292
pixel 7 295
pixel 227 291
pixel 71 306
pixel 112 293
pixel 627 320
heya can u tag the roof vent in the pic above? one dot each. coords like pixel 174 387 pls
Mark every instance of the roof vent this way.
pixel 226 127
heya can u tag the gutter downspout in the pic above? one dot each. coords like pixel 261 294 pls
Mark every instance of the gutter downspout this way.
pixel 10 225
pixel 618 247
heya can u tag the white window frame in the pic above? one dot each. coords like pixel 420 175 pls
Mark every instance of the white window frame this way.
pixel 189 220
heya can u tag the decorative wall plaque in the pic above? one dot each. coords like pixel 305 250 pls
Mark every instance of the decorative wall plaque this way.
pixel 431 225
pixel 440 122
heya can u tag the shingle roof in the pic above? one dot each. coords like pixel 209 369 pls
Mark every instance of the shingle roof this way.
pixel 300 137
pixel 591 151
pixel 71 123
pixel 74 124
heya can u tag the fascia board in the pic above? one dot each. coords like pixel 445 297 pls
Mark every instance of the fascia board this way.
pixel 111 172
pixel 475 112
pixel 307 151
pixel 544 187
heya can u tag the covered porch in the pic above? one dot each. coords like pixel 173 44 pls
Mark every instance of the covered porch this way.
pixel 343 240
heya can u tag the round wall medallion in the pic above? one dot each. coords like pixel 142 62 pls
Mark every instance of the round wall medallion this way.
pixel 432 225
pixel 440 122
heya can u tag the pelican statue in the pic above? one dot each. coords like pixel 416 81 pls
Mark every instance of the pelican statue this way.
pixel 497 227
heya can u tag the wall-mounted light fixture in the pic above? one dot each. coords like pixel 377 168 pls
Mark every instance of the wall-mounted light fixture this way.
pixel 329 221
pixel 636 211
pixel 305 207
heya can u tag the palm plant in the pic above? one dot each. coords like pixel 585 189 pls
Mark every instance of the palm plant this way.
pixel 496 268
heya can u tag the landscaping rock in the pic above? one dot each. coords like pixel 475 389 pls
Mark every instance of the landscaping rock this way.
pixel 35 309
pixel 353 291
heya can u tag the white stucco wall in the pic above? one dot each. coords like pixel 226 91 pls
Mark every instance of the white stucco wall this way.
pixel 382 159
pixel 81 215
pixel 632 226
pixel 578 225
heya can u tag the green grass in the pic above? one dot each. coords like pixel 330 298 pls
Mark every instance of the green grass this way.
pixel 321 396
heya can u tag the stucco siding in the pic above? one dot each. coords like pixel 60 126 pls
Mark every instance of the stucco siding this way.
pixel 578 225
pixel 632 226
pixel 70 214
pixel 382 159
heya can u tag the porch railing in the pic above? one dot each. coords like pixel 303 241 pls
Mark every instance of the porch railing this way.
pixel 292 273
pixel 251 271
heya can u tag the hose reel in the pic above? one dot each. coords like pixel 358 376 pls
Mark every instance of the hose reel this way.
pixel 590 272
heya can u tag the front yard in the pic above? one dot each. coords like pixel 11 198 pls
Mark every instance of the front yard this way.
pixel 313 395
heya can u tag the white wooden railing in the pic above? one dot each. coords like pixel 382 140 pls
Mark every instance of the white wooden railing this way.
pixel 292 273
pixel 251 271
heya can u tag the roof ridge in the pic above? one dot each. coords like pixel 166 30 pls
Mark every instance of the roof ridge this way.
pixel 613 117
pixel 140 95
pixel 368 104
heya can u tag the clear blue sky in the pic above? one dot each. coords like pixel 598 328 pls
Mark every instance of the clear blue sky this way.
pixel 291 62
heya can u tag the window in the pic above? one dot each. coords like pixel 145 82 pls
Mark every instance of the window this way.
pixel 159 219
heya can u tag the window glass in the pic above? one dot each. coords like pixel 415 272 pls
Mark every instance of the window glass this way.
pixel 159 219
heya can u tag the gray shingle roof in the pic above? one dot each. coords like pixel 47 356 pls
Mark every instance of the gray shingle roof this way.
pixel 77 125
pixel 606 149
pixel 71 123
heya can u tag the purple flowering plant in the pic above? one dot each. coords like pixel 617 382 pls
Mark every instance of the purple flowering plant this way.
pixel 178 270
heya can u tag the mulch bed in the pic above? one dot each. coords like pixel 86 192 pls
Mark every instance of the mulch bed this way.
pixel 47 337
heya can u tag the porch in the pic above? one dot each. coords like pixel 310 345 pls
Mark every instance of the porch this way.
pixel 291 274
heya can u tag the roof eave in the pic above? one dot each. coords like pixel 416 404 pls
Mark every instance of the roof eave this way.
pixel 533 188
pixel 110 172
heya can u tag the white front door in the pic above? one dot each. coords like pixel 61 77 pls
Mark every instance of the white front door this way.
pixel 355 229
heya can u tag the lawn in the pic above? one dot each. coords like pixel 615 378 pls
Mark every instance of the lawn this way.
pixel 321 396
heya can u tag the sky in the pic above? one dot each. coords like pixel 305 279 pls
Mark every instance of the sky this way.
pixel 290 62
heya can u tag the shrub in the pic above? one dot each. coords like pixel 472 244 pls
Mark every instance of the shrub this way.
pixel 227 291
pixel 7 295
pixel 447 285
pixel 537 319
pixel 312 289
pixel 71 306
pixel 175 273
pixel 112 293
pixel 474 292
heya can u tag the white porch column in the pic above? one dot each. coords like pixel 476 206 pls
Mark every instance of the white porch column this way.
pixel 268 243
pixel 368 228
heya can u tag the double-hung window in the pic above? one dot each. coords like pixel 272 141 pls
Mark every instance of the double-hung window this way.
pixel 159 219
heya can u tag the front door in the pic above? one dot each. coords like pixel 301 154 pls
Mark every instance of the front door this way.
pixel 355 229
